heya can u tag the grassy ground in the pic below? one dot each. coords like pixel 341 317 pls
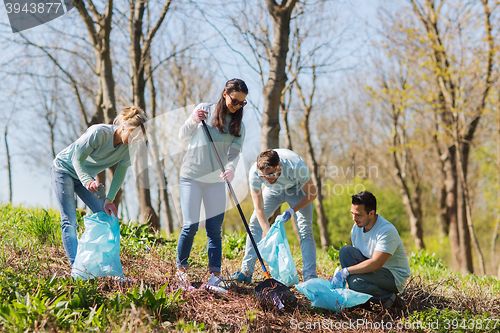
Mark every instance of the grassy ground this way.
pixel 38 294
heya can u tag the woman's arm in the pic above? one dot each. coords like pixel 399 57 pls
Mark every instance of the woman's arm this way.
pixel 186 130
pixel 233 155
pixel 116 183
pixel 84 146
pixel 78 160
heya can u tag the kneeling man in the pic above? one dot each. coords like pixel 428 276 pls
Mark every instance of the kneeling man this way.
pixel 376 263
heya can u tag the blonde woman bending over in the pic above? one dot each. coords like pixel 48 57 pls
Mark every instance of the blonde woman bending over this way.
pixel 74 169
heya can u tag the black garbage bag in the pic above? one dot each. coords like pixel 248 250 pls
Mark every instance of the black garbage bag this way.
pixel 273 293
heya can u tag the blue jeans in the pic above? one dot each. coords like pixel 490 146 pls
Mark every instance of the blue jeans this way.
pixel 213 196
pixel 272 200
pixel 65 187
pixel 380 283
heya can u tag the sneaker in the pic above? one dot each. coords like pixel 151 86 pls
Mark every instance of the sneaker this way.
pixel 184 280
pixel 399 304
pixel 241 277
pixel 387 304
pixel 217 281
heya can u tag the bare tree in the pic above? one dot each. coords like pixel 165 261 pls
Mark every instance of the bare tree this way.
pixel 446 86
pixel 8 156
pixel 140 44
pixel 99 27
pixel 394 92
pixel 462 133
pixel 273 89
pixel 164 205
pixel 307 105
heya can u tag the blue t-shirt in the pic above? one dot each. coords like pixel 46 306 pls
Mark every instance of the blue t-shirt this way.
pixel 294 173
pixel 384 237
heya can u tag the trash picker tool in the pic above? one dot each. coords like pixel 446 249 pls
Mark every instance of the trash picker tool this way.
pixel 271 289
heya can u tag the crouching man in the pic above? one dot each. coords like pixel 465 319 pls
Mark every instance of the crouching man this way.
pixel 376 263
pixel 286 178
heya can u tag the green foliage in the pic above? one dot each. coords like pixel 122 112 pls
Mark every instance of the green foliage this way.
pixel 27 226
pixel 333 253
pixel 422 259
pixel 447 320
pixel 232 219
pixel 251 316
pixel 427 265
pixel 136 237
pixel 233 245
pixel 30 304
pixel 44 227
pixel 159 303
pixel 337 204
pixel 67 303
pixel 190 326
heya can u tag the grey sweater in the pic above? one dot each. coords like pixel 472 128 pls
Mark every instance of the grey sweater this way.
pixel 200 162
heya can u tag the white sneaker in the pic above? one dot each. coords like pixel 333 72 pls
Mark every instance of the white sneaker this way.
pixel 217 281
pixel 184 280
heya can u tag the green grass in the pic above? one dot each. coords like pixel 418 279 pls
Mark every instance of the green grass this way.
pixel 37 293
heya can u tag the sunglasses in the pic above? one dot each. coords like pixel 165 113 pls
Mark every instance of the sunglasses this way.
pixel 235 102
pixel 271 175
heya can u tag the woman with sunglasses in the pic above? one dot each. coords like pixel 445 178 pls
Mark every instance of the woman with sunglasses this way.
pixel 201 180
pixel 74 170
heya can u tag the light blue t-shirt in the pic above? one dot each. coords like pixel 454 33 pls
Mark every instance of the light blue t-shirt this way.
pixel 294 173
pixel 200 162
pixel 94 152
pixel 384 237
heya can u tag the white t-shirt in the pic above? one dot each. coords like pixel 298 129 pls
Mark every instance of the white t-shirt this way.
pixel 385 238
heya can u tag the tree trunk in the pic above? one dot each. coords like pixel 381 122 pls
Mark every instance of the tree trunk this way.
pixel 99 31
pixel 320 210
pixel 450 170
pixel 164 203
pixel 414 209
pixel 288 145
pixel 138 56
pixel 147 213
pixel 412 201
pixel 9 169
pixel 315 176
pixel 448 91
pixel 463 159
pixel 286 128
pixel 497 224
pixel 273 89
pixel 444 225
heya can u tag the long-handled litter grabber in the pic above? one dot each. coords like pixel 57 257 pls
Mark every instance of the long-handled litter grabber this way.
pixel 270 290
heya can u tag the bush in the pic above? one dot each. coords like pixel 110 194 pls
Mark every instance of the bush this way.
pixel 427 265
pixel 337 206
pixel 333 253
pixel 233 244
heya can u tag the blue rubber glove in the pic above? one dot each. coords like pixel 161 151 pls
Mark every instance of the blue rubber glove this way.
pixel 288 214
pixel 338 280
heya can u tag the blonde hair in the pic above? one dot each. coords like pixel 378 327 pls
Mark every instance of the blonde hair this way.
pixel 133 115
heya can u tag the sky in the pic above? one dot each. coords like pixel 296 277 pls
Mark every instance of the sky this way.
pixel 31 183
